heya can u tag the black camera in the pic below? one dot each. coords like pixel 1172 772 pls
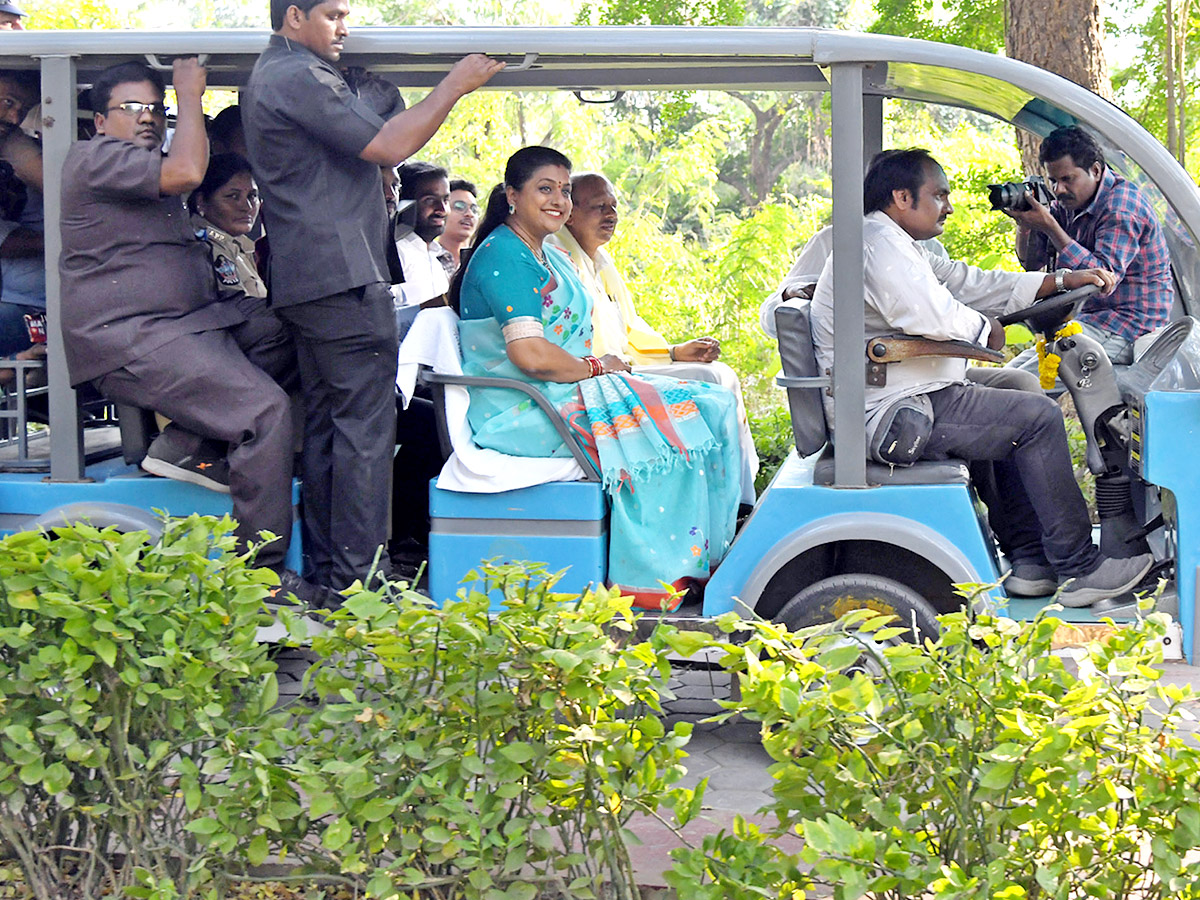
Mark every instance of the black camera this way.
pixel 1011 194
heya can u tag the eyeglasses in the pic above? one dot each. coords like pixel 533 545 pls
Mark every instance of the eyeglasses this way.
pixel 133 108
pixel 462 206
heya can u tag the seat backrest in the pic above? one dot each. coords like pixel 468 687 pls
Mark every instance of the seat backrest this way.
pixel 799 359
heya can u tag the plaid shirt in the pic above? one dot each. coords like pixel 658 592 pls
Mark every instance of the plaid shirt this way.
pixel 1117 231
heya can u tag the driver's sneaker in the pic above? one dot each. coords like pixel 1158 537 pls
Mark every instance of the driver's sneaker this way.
pixel 1111 578
pixel 1030 579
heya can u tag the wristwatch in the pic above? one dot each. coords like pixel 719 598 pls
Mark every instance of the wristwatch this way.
pixel 1059 275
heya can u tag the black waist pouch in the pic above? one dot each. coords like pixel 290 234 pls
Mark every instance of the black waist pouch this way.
pixel 898 433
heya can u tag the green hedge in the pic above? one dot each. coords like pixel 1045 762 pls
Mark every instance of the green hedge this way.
pixel 439 753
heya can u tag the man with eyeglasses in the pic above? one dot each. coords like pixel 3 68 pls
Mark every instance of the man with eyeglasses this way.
pixel 142 319
pixel 461 220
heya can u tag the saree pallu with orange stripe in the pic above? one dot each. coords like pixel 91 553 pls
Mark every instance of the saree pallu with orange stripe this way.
pixel 670 459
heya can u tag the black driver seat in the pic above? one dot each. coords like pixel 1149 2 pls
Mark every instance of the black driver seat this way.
pixel 796 353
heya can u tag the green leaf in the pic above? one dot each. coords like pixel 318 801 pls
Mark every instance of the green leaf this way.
pixel 321 804
pixel 377 809
pixel 998 776
pixel 106 650
pixel 518 753
pixel 840 656
pixel 257 850
pixel 32 772
pixel 24 599
pixel 337 834
pixel 203 826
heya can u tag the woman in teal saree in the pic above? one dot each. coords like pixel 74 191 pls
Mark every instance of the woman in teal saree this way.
pixel 667 449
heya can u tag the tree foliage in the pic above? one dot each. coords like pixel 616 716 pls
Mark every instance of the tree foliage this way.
pixel 1146 85
pixel 664 12
pixel 72 14
pixel 978 24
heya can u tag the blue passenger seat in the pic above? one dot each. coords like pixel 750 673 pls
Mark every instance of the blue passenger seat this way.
pixel 561 523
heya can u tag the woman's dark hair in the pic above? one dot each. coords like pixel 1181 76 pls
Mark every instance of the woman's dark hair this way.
pixel 520 168
pixel 124 73
pixel 225 124
pixel 1072 141
pixel 221 168
pixel 895 170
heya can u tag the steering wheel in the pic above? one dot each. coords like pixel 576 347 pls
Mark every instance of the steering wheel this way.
pixel 1048 314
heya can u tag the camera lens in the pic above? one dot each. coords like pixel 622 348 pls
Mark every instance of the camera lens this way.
pixel 999 195
pixel 1009 195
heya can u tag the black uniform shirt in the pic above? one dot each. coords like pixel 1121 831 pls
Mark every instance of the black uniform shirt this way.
pixel 134 275
pixel 322 204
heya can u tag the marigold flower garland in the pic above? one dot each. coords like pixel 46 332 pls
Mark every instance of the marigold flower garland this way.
pixel 1048 362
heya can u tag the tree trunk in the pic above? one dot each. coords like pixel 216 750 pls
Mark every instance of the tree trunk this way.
pixel 1179 78
pixel 1170 68
pixel 1061 36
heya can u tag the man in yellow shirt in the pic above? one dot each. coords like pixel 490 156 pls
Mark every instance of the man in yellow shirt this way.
pixel 617 327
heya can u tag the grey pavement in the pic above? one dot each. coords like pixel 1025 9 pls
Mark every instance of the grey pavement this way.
pixel 731 756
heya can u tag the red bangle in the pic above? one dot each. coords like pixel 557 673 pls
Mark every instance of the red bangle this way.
pixel 595 365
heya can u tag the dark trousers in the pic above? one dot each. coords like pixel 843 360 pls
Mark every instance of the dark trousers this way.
pixel 346 346
pixel 418 459
pixel 1016 443
pixel 222 385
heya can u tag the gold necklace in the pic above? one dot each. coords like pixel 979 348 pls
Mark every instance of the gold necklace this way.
pixel 540 256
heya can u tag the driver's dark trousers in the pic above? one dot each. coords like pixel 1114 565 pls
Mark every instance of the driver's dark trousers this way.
pixel 1016 444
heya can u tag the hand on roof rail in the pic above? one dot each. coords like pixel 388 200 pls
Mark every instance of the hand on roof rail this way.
pixel 154 62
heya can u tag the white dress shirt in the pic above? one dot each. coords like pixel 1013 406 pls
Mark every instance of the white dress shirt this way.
pixel 909 290
pixel 424 274
pixel 807 269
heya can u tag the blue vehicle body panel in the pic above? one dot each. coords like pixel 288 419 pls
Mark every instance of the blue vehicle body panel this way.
pixel 937 521
pixel 1171 436
pixel 26 496
pixel 562 524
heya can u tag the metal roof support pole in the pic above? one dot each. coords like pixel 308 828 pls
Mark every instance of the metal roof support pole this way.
pixel 850 370
pixel 872 127
pixel 58 132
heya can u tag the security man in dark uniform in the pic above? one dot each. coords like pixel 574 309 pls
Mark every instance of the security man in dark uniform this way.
pixel 316 150
pixel 141 316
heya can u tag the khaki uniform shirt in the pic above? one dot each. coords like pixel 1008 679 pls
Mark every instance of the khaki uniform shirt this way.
pixel 134 276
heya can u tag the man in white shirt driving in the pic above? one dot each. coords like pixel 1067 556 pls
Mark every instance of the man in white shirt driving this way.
pixel 1036 509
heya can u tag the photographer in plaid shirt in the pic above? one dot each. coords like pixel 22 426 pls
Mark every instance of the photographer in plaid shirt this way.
pixel 1098 220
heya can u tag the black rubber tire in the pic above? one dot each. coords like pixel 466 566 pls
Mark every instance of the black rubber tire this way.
pixel 824 602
